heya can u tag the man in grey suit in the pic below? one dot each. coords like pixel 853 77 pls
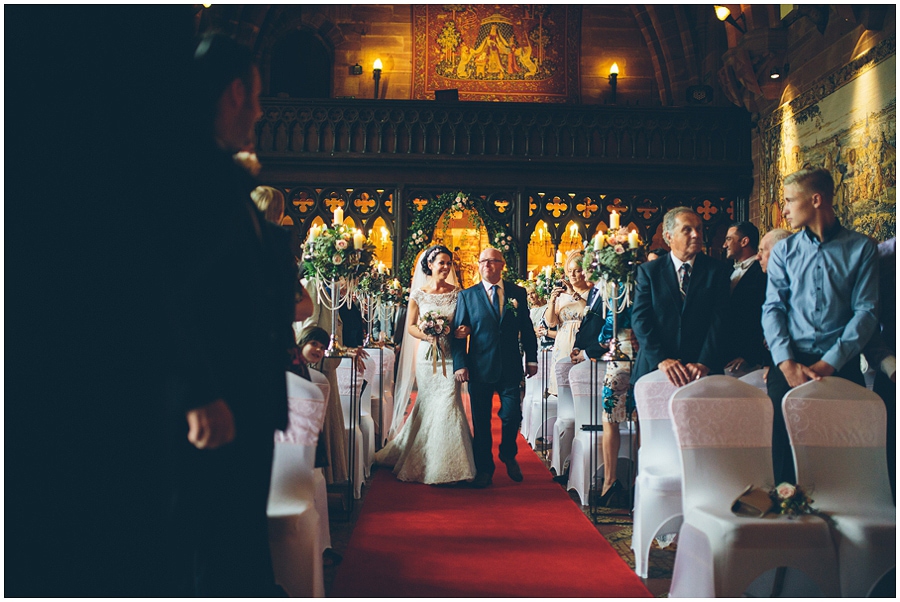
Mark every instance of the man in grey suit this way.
pixel 680 304
pixel 496 311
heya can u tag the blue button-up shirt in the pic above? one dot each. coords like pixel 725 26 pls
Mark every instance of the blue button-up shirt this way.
pixel 822 296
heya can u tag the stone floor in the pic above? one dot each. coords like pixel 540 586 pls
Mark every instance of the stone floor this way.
pixel 613 524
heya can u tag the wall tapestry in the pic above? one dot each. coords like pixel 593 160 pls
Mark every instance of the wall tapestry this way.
pixel 492 52
pixel 846 123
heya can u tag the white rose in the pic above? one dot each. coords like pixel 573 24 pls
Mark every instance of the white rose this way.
pixel 785 491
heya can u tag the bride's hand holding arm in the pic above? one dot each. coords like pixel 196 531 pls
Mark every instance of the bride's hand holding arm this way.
pixel 412 322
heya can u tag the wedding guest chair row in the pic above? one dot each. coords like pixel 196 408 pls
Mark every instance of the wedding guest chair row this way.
pixel 586 444
pixel 538 415
pixel 297 510
pixel 723 429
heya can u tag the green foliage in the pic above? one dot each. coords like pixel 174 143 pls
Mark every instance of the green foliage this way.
pixel 426 220
pixel 615 261
pixel 331 254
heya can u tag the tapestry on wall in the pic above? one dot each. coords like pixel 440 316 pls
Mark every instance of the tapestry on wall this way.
pixel 846 123
pixel 512 52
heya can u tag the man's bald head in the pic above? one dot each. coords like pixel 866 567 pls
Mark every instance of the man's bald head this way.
pixel 768 243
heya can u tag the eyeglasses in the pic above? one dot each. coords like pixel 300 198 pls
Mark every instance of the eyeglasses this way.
pixel 487 261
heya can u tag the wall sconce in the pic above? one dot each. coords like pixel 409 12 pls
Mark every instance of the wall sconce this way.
pixel 614 80
pixel 376 74
pixel 356 69
pixel 723 13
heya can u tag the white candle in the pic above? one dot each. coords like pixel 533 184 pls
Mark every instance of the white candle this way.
pixel 599 241
pixel 559 257
pixel 338 217
pixel 531 274
pixel 633 240
pixel 381 267
pixel 313 232
pixel 359 239
pixel 547 271
pixel 613 220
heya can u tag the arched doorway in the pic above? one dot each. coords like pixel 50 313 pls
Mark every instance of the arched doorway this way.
pixel 462 232
pixel 300 66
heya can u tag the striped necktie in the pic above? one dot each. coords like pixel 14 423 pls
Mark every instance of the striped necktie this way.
pixel 685 278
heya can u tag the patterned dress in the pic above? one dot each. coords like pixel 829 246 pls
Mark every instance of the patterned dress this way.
pixel 434 445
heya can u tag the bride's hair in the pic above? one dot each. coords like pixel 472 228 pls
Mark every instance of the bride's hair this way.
pixel 431 254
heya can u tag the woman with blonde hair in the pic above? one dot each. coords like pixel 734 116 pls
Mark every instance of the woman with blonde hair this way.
pixel 565 310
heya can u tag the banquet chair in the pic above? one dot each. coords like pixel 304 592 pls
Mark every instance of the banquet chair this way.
pixel 755 379
pixel 657 488
pixel 382 417
pixel 539 428
pixel 366 421
pixel 294 524
pixel 724 432
pixel 357 449
pixel 321 487
pixel 837 432
pixel 580 477
pixel 564 427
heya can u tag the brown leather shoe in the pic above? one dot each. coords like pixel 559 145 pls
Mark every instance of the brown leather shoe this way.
pixel 482 480
pixel 513 470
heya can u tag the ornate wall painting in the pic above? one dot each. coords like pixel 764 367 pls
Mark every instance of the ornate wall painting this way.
pixel 491 52
pixel 846 123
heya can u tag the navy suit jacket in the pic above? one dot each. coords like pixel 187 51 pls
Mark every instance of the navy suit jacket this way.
pixel 493 351
pixel 666 327
pixel 746 338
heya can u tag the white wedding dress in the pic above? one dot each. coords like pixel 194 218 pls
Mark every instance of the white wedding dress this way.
pixel 434 445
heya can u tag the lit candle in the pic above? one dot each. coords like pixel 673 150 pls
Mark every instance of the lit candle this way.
pixel 396 283
pixel 338 217
pixel 559 257
pixel 613 220
pixel 381 267
pixel 313 232
pixel 547 271
pixel 531 274
pixel 633 240
pixel 599 241
pixel 359 239
pixel 541 235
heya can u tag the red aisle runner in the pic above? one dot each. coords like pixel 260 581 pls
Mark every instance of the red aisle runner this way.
pixel 510 540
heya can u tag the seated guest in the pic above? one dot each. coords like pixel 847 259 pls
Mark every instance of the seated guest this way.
pixel 821 300
pixel 746 350
pixel 767 244
pixel 680 305
pixel 566 310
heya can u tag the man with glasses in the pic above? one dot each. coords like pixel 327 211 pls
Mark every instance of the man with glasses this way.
pixel 496 311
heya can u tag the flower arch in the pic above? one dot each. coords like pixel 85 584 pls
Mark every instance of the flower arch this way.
pixel 425 221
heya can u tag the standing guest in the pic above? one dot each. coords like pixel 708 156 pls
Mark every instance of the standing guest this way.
pixel 566 310
pixel 821 300
pixel 746 350
pixel 680 305
pixel 882 348
pixel 537 305
pixel 767 244
pixel 233 385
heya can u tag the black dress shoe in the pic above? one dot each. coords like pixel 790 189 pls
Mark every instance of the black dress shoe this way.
pixel 513 470
pixel 482 480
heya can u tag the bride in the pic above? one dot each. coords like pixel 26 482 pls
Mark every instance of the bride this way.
pixel 434 444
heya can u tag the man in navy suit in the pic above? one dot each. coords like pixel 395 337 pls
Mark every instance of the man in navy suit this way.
pixel 746 350
pixel 680 304
pixel 497 313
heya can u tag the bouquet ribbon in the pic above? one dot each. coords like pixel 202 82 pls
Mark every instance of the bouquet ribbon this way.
pixel 434 359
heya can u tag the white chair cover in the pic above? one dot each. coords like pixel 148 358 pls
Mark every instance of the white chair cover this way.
pixel 755 379
pixel 582 450
pixel 837 432
pixel 306 413
pixel 724 431
pixel 360 463
pixel 366 421
pixel 564 428
pixel 538 427
pixel 321 487
pixel 382 415
pixel 294 524
pixel 657 489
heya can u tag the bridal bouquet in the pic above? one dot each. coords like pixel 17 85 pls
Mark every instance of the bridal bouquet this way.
pixel 437 325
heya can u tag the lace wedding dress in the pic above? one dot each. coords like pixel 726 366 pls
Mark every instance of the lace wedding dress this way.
pixel 434 445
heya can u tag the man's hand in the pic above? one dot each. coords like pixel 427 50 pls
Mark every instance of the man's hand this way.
pixel 796 374
pixel 462 375
pixel 822 368
pixel 530 370
pixel 211 426
pixel 697 371
pixel 577 356
pixel 462 331
pixel 734 365
pixel 677 373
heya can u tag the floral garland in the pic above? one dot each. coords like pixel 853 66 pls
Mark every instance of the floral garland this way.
pixel 337 252
pixel 425 221
pixel 613 257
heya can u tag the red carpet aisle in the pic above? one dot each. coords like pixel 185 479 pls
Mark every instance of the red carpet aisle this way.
pixel 510 540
